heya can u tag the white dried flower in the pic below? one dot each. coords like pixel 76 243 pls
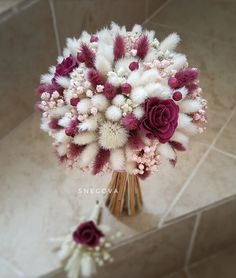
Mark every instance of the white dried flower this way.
pixel 112 135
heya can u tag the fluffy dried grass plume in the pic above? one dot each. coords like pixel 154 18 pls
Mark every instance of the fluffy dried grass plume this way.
pixel 112 135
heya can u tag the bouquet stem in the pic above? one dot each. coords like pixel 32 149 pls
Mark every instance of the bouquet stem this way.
pixel 124 194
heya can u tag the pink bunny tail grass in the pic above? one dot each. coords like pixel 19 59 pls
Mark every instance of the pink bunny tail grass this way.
pixel 142 46
pixel 95 78
pixel 109 91
pixel 87 56
pixel 101 159
pixel 119 48
pixel 74 151
pixel 130 122
pixel 135 142
pixel 177 146
pixel 186 76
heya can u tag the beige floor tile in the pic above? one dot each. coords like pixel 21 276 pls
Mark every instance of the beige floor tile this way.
pixel 215 19
pixel 221 265
pixel 154 255
pixel 226 141
pixel 214 181
pixel 75 16
pixel 216 231
pixel 34 183
pixel 27 49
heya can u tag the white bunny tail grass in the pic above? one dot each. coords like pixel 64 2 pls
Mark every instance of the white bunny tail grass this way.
pixel 158 90
pixel 45 124
pixel 134 78
pixel 117 159
pixel 73 45
pixel 190 106
pixel 112 135
pixel 170 42
pixel 149 76
pixel 88 266
pixel 138 112
pixel 102 65
pixel 85 138
pixel 66 52
pixel 88 154
pixel 63 81
pixel 52 69
pixel 184 120
pixel 46 78
pixel 62 149
pixel 113 113
pixel 100 102
pixel 137 29
pixel 179 62
pixel 180 137
pixel 166 151
pixel 190 129
pixel 60 136
pixel 89 124
pixel 138 95
pixel 64 121
pixel 84 105
pixel 118 100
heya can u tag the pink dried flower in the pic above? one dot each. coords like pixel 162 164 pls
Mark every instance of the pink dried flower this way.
pixel 130 121
pixel 109 91
pixel 133 66
pixel 144 175
pixel 119 48
pixel 74 101
pixel 177 96
pixel 93 39
pixel 101 159
pixel 95 78
pixel 72 129
pixel 173 82
pixel 126 88
pixel 142 46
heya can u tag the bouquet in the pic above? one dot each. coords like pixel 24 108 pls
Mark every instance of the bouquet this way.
pixel 121 101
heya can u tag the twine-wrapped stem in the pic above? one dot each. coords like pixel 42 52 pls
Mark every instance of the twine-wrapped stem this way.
pixel 124 194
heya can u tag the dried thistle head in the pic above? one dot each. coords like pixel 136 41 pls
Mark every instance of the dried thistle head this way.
pixel 112 135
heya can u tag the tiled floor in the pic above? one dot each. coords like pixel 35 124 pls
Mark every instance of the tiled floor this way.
pixel 203 176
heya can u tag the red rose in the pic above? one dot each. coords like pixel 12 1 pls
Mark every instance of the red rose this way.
pixel 66 66
pixel 160 119
pixel 88 234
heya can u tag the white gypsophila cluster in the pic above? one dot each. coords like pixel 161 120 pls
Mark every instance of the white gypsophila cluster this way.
pixel 114 91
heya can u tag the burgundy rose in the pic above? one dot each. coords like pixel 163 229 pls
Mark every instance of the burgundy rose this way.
pixel 160 119
pixel 66 66
pixel 88 234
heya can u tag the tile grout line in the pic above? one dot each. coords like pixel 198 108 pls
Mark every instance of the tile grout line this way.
pixel 224 152
pixel 192 239
pixel 156 12
pixel 54 22
pixel 179 194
